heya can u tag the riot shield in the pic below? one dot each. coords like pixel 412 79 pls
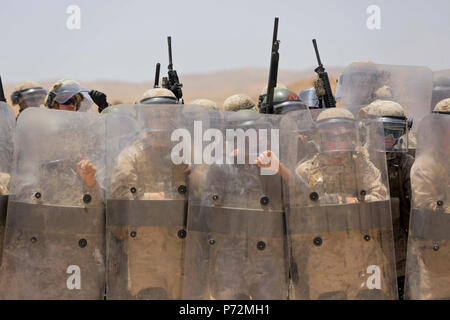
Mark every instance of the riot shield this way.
pixel 428 263
pixel 236 245
pixel 338 215
pixel 147 202
pixel 7 126
pixel 441 86
pixel 54 244
pixel 364 82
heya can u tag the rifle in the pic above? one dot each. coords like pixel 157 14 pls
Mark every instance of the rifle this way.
pixel 158 67
pixel 323 87
pixel 273 71
pixel 173 83
pixel 2 93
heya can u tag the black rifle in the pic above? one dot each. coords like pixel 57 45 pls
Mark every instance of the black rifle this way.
pixel 158 67
pixel 325 98
pixel 173 83
pixel 2 93
pixel 273 71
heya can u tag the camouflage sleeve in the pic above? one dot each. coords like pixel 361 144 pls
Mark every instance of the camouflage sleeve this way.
pixel 125 175
pixel 4 183
pixel 425 184
pixel 299 184
pixel 372 181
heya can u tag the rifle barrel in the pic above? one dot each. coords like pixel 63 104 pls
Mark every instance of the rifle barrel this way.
pixel 2 93
pixel 158 67
pixel 169 42
pixel 317 53
pixel 275 30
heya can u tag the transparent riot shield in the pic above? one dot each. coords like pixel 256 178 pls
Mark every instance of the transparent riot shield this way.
pixel 364 82
pixel 338 215
pixel 441 86
pixel 147 201
pixel 428 262
pixel 7 126
pixel 236 246
pixel 54 244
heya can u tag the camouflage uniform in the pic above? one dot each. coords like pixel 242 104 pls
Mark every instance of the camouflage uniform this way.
pixel 399 166
pixel 336 268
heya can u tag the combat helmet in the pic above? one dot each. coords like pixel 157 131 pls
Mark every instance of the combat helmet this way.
pixel 158 96
pixel 284 100
pixel 28 94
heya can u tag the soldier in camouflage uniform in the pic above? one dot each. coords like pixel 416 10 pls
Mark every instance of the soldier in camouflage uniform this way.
pixel 238 102
pixel 158 96
pixel 148 265
pixel 235 247
pixel 336 199
pixel 393 139
pixel 428 264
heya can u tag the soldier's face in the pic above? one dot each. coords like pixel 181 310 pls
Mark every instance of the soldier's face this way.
pixel 338 141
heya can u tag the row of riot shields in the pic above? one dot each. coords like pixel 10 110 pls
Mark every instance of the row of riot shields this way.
pixel 199 205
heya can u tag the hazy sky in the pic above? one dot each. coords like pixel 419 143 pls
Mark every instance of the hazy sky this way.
pixel 122 40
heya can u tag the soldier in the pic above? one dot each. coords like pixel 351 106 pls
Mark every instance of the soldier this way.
pixel 158 96
pixel 235 245
pixel 146 248
pixel 55 222
pixel 339 224
pixel 68 95
pixel 239 101
pixel 392 138
pixel 427 268
pixel 28 94
pixel 205 103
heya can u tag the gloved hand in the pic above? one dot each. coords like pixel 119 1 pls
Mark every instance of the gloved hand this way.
pixel 99 99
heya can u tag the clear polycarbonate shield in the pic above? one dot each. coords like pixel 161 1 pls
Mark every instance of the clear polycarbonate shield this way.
pixel 54 244
pixel 147 200
pixel 309 97
pixel 441 86
pixel 7 126
pixel 428 263
pixel 387 134
pixel 235 244
pixel 338 220
pixel 34 97
pixel 410 86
